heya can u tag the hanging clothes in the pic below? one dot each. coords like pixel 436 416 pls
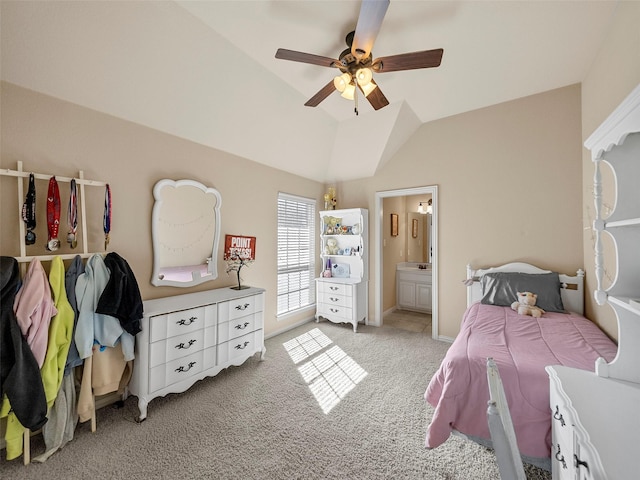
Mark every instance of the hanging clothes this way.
pixel 52 371
pixel 21 390
pixel 60 333
pixel 105 329
pixel 76 268
pixel 34 308
pixel 106 347
pixel 121 296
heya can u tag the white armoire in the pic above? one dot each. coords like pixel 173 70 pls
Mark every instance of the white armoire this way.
pixel 342 289
pixel 596 425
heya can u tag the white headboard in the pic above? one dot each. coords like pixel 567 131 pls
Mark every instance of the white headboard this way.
pixel 571 291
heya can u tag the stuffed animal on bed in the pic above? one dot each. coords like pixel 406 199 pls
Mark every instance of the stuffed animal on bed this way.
pixel 526 305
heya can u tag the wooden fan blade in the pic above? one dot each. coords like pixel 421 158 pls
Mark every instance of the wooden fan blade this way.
pixel 372 13
pixel 302 57
pixel 408 61
pixel 376 98
pixel 327 90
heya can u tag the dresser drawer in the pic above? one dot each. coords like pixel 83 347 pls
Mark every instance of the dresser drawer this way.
pixel 335 299
pixel 238 327
pixel 180 322
pixel 239 347
pixel 170 349
pixel 335 288
pixel 335 311
pixel 562 443
pixel 175 371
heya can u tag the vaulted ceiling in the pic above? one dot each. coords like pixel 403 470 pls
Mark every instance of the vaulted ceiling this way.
pixel 205 71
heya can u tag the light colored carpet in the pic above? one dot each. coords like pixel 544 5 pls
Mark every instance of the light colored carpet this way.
pixel 262 420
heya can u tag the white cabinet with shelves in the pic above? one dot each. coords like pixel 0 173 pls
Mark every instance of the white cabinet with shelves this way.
pixel 342 290
pixel 595 430
pixel 616 143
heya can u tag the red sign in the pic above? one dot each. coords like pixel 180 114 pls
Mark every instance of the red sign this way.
pixel 236 246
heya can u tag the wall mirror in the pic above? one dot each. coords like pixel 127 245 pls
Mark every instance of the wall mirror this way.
pixel 186 230
pixel 418 237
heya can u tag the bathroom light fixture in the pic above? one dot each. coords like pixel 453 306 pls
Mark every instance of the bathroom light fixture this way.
pixel 430 207
pixel 425 207
pixel 421 209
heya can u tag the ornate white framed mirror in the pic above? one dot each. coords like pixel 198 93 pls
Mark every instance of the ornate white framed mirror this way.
pixel 186 231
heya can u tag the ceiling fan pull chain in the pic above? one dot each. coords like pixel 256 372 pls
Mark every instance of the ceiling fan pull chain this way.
pixel 355 98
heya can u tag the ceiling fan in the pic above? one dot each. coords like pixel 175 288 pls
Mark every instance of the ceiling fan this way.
pixel 356 62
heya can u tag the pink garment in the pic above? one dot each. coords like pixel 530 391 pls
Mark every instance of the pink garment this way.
pixel 34 309
pixel 521 346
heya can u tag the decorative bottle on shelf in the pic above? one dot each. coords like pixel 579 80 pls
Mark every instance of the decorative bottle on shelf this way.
pixel 327 270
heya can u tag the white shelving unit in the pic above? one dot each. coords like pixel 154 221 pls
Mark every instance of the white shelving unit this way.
pixel 596 427
pixel 343 296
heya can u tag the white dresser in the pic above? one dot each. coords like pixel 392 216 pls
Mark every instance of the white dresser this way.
pixel 342 295
pixel 186 338
pixel 596 426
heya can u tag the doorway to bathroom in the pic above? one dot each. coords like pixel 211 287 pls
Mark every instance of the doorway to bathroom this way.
pixel 397 249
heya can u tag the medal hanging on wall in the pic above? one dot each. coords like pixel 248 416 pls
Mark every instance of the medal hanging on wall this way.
pixel 72 215
pixel 29 211
pixel 106 219
pixel 53 215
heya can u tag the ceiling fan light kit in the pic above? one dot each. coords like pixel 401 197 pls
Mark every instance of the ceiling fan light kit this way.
pixel 356 63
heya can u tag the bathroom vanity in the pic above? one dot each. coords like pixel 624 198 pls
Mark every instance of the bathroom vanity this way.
pixel 413 287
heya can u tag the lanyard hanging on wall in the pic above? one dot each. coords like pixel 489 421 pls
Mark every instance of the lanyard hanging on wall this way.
pixel 29 211
pixel 106 219
pixel 72 214
pixel 53 215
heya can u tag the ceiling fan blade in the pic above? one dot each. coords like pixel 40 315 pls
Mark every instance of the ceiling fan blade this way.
pixel 324 92
pixel 302 57
pixel 408 61
pixel 369 21
pixel 376 98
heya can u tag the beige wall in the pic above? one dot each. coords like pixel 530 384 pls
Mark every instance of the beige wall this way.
pixel 509 189
pixel 55 137
pixel 514 181
pixel 613 75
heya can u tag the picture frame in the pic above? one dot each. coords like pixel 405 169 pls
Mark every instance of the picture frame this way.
pixel 394 224
pixel 414 228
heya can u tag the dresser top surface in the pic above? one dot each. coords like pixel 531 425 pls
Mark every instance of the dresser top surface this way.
pixel 191 300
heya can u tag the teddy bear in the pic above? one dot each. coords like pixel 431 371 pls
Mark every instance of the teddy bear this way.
pixel 526 305
pixel 332 247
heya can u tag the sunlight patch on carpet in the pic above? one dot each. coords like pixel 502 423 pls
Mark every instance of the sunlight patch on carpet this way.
pixel 306 345
pixel 331 375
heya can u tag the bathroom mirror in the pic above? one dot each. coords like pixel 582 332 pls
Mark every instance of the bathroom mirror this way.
pixel 418 238
pixel 186 230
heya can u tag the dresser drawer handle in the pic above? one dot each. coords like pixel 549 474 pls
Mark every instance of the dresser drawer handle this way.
pixel 334 310
pixel 181 345
pixel 242 307
pixel 558 416
pixel 334 299
pixel 182 369
pixel 187 322
pixel 241 346
pixel 560 458
pixel 579 463
pixel 241 326
pixel 334 288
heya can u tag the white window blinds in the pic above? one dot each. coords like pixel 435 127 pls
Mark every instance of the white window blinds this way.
pixel 296 252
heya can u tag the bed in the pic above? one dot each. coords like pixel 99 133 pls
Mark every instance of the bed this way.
pixel 521 347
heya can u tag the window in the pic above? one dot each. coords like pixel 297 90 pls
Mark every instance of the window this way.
pixel 296 252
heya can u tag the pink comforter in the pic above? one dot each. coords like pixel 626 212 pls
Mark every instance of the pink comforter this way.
pixel 521 346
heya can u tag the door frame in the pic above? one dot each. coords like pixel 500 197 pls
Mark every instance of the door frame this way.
pixel 378 237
